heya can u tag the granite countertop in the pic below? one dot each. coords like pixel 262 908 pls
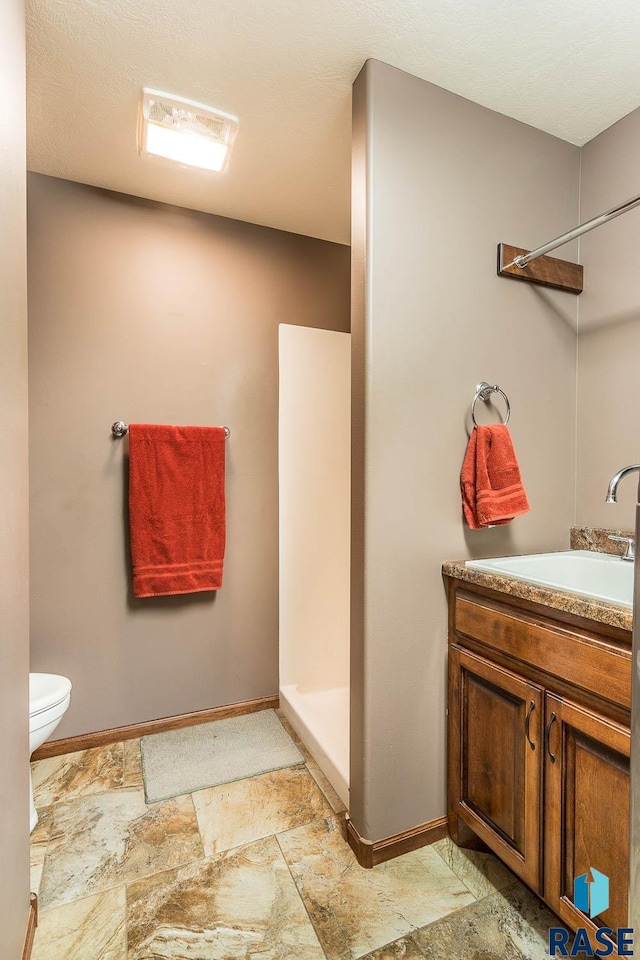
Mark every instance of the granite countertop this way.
pixel 597 610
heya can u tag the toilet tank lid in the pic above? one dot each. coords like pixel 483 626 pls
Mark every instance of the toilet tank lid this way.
pixel 46 690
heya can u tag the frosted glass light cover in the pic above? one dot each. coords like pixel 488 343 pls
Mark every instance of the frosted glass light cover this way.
pixel 185 132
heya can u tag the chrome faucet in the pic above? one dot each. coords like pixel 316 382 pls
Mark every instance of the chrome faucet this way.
pixel 630 547
pixel 612 497
pixel 612 492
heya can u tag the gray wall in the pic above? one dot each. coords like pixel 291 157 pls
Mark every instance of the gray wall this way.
pixel 440 181
pixel 14 541
pixel 609 322
pixel 608 383
pixel 143 312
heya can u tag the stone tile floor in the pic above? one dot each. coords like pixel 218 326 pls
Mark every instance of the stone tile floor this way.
pixel 254 869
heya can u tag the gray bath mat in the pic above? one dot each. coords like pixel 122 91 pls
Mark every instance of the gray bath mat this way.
pixel 181 761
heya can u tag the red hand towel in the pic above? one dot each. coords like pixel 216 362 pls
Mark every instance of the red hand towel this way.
pixel 492 489
pixel 176 508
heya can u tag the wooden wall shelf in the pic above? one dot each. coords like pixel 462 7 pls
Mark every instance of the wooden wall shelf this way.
pixel 546 271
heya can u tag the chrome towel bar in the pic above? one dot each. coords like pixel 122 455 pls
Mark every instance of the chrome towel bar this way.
pixel 119 429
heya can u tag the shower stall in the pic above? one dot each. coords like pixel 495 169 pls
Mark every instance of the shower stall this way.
pixel 314 458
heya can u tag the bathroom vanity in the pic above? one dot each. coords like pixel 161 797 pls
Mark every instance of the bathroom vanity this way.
pixel 539 738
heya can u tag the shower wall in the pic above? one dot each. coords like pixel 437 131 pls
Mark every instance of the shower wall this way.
pixel 314 471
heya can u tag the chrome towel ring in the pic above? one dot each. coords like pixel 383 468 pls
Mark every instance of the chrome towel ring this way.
pixel 484 391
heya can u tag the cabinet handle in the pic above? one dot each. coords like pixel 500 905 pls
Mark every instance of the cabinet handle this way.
pixel 527 724
pixel 552 720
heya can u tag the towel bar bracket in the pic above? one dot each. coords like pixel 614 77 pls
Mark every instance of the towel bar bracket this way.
pixel 484 391
pixel 120 429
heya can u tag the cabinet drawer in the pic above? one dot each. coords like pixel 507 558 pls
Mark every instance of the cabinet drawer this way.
pixel 580 660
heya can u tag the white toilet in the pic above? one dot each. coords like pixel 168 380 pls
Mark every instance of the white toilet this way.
pixel 49 696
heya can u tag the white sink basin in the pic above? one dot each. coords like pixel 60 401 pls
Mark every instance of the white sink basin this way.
pixel 589 574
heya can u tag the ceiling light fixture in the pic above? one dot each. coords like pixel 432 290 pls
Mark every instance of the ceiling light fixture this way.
pixel 185 132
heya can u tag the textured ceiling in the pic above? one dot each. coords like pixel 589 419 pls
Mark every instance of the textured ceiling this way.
pixel 285 68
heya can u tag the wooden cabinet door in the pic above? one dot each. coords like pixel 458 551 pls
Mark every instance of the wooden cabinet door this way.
pixel 586 809
pixel 495 759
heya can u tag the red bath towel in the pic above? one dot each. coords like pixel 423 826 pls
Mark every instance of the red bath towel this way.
pixel 176 508
pixel 492 489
